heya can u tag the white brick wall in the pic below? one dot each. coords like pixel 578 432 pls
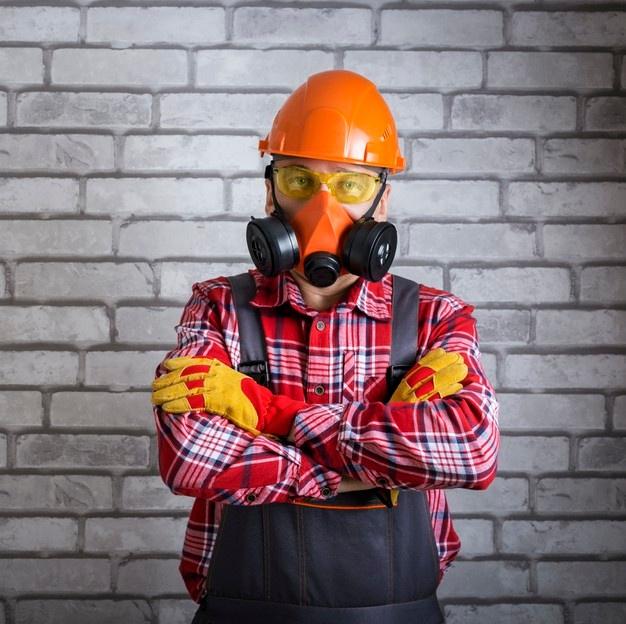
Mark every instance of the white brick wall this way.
pixel 128 170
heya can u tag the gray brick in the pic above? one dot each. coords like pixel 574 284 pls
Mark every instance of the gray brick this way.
pixel 605 113
pixel 80 326
pixel 533 454
pixel 416 111
pixel 585 495
pixel 122 369
pixel 150 493
pixel 489 363
pixel 623 79
pixel 565 371
pixel 38 534
pixel 84 450
pixel 155 196
pixel 92 611
pixel 150 577
pixel 147 325
pixel 150 68
pixel 259 68
pixel 136 535
pixel 466 579
pixel 550 70
pixel 3 109
pixel 503 496
pixel 568 28
pixel 583 156
pixel 65 153
pixel 39 24
pixel 619 412
pixel 602 453
pixel 605 612
pixel 248 196
pixel 177 278
pixel 71 576
pixel 156 25
pixel 302 25
pixel 110 110
pixel 184 152
pixel 567 199
pixel 588 327
pixel 21 409
pixel 418 70
pixel 3 450
pixel 38 367
pixel 126 410
pixel 584 241
pixel 572 579
pixel 21 66
pixel 3 283
pixel 532 412
pixel 512 284
pixel 509 613
pixel 476 536
pixel 503 325
pixel 105 281
pixel 179 611
pixel 220 110
pixel 529 113
pixel 431 275
pixel 163 239
pixel 452 155
pixel 38 195
pixel 470 240
pixel 603 284
pixel 77 493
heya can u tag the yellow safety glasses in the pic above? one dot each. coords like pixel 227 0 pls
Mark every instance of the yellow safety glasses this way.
pixel 298 182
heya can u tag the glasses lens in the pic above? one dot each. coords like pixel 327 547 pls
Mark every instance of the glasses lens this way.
pixel 296 182
pixel 354 188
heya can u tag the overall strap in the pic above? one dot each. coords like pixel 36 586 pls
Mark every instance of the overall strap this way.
pixel 253 360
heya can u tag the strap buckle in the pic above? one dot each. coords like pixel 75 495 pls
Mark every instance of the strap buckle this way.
pixel 258 370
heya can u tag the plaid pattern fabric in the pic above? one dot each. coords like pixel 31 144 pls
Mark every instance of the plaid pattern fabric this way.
pixel 336 361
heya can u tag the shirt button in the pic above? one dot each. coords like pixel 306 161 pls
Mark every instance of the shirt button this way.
pixel 319 390
pixel 326 491
pixel 320 325
pixel 251 498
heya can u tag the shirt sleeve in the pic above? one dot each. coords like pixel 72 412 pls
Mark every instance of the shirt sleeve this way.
pixel 204 455
pixel 451 442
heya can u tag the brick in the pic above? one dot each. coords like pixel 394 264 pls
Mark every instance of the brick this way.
pixel 71 576
pixel 134 535
pixel 619 412
pixel 489 362
pixel 503 496
pixel 585 495
pixel 536 412
pixel 529 113
pixel 567 199
pixel 80 326
pixel 584 156
pixel 623 80
pixel 92 611
pixel 156 25
pixel 21 66
pixel 147 325
pixel 605 113
pixel 84 450
pixel 219 110
pixel 503 325
pixel 161 239
pixel 443 198
pixel 77 493
pixel 399 69
pixel 602 453
pixel 587 241
pixel 466 579
pixel 445 155
pixel 431 275
pixel 416 111
pixel 3 450
pixel 38 367
pixel 259 68
pixel 565 371
pixel 248 196
pixel 568 28
pixel 550 70
pixel 38 534
pixel 64 153
pixel 606 612
pixel 150 577
pixel 512 284
pixel 21 409
pixel 180 611
pixel 3 283
pixel 122 369
pixel 509 613
pixel 185 152
pixel 109 110
pixel 533 454
pixel 105 281
pixel 38 195
pixel 572 579
pixel 177 278
pixel 155 196
pixel 3 109
pixel 589 327
pixel 125 410
pixel 39 24
pixel 149 68
pixel 603 284
pixel 302 26
pixel 476 536
pixel 150 493
pixel 470 240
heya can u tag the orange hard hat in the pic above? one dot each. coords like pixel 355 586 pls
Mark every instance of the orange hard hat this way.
pixel 336 115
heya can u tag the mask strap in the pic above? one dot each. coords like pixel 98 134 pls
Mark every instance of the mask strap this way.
pixel 278 211
pixel 372 208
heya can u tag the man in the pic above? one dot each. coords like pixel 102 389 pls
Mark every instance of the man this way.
pixel 320 486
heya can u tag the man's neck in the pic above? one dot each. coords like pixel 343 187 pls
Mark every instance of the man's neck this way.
pixel 324 298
